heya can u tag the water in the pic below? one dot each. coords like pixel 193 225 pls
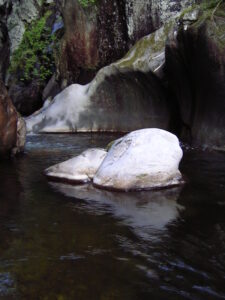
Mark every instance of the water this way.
pixel 75 242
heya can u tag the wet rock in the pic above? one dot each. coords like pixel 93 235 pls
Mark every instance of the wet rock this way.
pixel 12 127
pixel 195 63
pixel 81 168
pixel 143 159
pixel 124 96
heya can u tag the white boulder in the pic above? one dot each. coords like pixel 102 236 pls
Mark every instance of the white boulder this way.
pixel 81 168
pixel 143 159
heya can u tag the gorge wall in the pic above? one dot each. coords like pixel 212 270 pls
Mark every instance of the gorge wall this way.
pixel 185 57
pixel 79 40
pixel 12 126
pixel 172 78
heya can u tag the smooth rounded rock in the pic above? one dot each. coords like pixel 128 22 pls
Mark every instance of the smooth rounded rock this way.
pixel 81 168
pixel 143 159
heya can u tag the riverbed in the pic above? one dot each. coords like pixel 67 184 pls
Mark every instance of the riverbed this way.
pixel 59 241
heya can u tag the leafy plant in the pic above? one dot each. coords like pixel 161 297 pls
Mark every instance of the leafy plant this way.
pixel 34 57
pixel 86 3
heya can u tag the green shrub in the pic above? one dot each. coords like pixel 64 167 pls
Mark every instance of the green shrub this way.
pixel 34 57
pixel 86 3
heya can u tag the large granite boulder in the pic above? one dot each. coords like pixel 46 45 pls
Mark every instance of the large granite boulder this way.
pixel 124 96
pixel 12 127
pixel 79 169
pixel 195 63
pixel 143 159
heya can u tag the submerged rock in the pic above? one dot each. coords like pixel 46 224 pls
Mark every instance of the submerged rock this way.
pixel 143 159
pixel 81 168
pixel 124 96
pixel 12 126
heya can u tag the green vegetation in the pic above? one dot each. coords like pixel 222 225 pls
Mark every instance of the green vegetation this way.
pixel 86 3
pixel 208 4
pixel 34 57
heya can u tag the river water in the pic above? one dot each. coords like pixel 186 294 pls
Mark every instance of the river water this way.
pixel 62 242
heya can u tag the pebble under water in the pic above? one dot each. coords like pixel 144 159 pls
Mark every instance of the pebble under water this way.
pixel 59 241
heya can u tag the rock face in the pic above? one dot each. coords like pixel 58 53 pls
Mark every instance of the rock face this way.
pixel 81 168
pixel 143 159
pixel 100 34
pixel 22 13
pixel 4 39
pixel 12 127
pixel 26 98
pixel 124 96
pixel 33 33
pixel 195 62
pixel 95 35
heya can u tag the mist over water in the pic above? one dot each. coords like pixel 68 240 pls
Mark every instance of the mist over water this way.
pixel 59 241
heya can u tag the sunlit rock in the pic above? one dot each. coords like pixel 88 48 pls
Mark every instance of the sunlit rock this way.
pixel 143 159
pixel 81 168
pixel 124 96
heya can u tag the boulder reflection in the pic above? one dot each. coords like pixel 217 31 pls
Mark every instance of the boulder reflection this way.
pixel 145 212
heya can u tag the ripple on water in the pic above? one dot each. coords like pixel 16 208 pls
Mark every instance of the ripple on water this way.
pixel 77 242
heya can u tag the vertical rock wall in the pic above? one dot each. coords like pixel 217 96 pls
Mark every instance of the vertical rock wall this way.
pixel 195 63
pixel 100 34
pixel 12 127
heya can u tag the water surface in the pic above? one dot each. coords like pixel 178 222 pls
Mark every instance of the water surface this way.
pixel 60 241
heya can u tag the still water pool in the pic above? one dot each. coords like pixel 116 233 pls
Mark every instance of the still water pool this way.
pixel 62 242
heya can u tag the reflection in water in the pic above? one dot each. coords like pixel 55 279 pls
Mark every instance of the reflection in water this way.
pixel 62 242
pixel 143 211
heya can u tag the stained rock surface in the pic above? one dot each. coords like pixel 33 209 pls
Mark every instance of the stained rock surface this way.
pixel 12 126
pixel 81 168
pixel 143 159
pixel 100 34
pixel 195 64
